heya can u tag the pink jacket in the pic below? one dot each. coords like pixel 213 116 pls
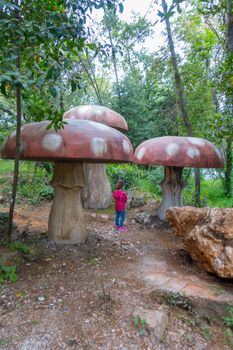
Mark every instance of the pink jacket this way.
pixel 120 198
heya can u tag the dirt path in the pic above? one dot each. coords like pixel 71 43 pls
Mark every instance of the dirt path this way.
pixel 82 296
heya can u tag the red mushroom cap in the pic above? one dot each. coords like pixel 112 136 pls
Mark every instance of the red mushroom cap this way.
pixel 179 151
pixel 79 140
pixel 98 114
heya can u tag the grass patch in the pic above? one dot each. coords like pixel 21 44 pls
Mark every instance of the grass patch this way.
pixel 33 182
pixel 212 194
pixel 7 167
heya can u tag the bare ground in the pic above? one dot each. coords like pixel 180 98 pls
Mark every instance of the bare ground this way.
pixel 82 296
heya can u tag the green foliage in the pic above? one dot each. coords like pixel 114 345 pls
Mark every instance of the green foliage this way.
pixel 3 218
pixel 45 37
pixel 212 193
pixel 140 324
pixel 128 173
pixel 20 246
pixel 180 300
pixel 33 191
pixel 229 337
pixel 154 113
pixel 139 178
pixel 228 320
pixel 7 272
pixel 33 184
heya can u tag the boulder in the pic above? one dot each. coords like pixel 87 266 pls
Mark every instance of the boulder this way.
pixel 207 235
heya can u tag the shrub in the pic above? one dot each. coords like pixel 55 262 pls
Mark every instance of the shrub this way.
pixel 7 272
pixel 128 173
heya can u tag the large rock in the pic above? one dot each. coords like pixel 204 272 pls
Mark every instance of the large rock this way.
pixel 207 235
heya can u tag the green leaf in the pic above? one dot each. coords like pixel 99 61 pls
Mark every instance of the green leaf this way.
pixel 53 91
pixel 56 73
pixel 3 88
pixel 50 73
pixel 121 8
pixel 73 85
pixel 160 14
pixel 66 63
pixel 40 82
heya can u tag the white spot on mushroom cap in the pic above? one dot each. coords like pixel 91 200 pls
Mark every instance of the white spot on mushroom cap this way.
pixel 84 109
pixel 51 142
pixel 193 152
pixel 196 141
pixel 99 146
pixel 172 149
pixel 126 147
pixel 141 153
pixel 98 111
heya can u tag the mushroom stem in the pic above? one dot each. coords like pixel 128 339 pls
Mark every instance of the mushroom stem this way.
pixel 172 186
pixel 97 193
pixel 66 218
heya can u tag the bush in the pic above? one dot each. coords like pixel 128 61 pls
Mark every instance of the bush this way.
pixel 136 177
pixel 128 173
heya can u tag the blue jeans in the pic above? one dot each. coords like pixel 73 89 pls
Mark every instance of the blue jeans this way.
pixel 120 218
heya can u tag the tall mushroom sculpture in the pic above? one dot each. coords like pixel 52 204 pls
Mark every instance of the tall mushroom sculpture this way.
pixel 96 193
pixel 78 142
pixel 174 153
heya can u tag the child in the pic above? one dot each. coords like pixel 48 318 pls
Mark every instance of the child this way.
pixel 120 198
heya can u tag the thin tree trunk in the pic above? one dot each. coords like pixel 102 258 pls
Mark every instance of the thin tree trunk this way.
pixel 17 148
pixel 62 102
pixel 181 98
pixel 114 60
pixel 228 171
pixel 92 80
pixel 229 32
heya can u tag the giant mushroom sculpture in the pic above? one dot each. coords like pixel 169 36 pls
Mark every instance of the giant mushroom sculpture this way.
pixel 78 142
pixel 96 193
pixel 174 153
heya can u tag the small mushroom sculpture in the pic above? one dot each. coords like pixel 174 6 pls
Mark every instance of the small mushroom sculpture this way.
pixel 78 142
pixel 174 153
pixel 97 193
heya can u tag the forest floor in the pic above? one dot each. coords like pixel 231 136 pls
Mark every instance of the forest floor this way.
pixel 83 296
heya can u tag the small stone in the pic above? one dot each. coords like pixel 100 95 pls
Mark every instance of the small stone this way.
pixel 41 299
pixel 155 322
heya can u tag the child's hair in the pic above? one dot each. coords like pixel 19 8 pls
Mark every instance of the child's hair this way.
pixel 119 185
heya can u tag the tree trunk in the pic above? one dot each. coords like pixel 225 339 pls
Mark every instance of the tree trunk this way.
pixel 229 32
pixel 97 193
pixel 114 59
pixel 181 98
pixel 92 78
pixel 66 218
pixel 172 185
pixel 228 170
pixel 17 147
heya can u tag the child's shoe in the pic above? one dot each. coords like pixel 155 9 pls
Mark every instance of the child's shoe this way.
pixel 123 228
pixel 117 227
